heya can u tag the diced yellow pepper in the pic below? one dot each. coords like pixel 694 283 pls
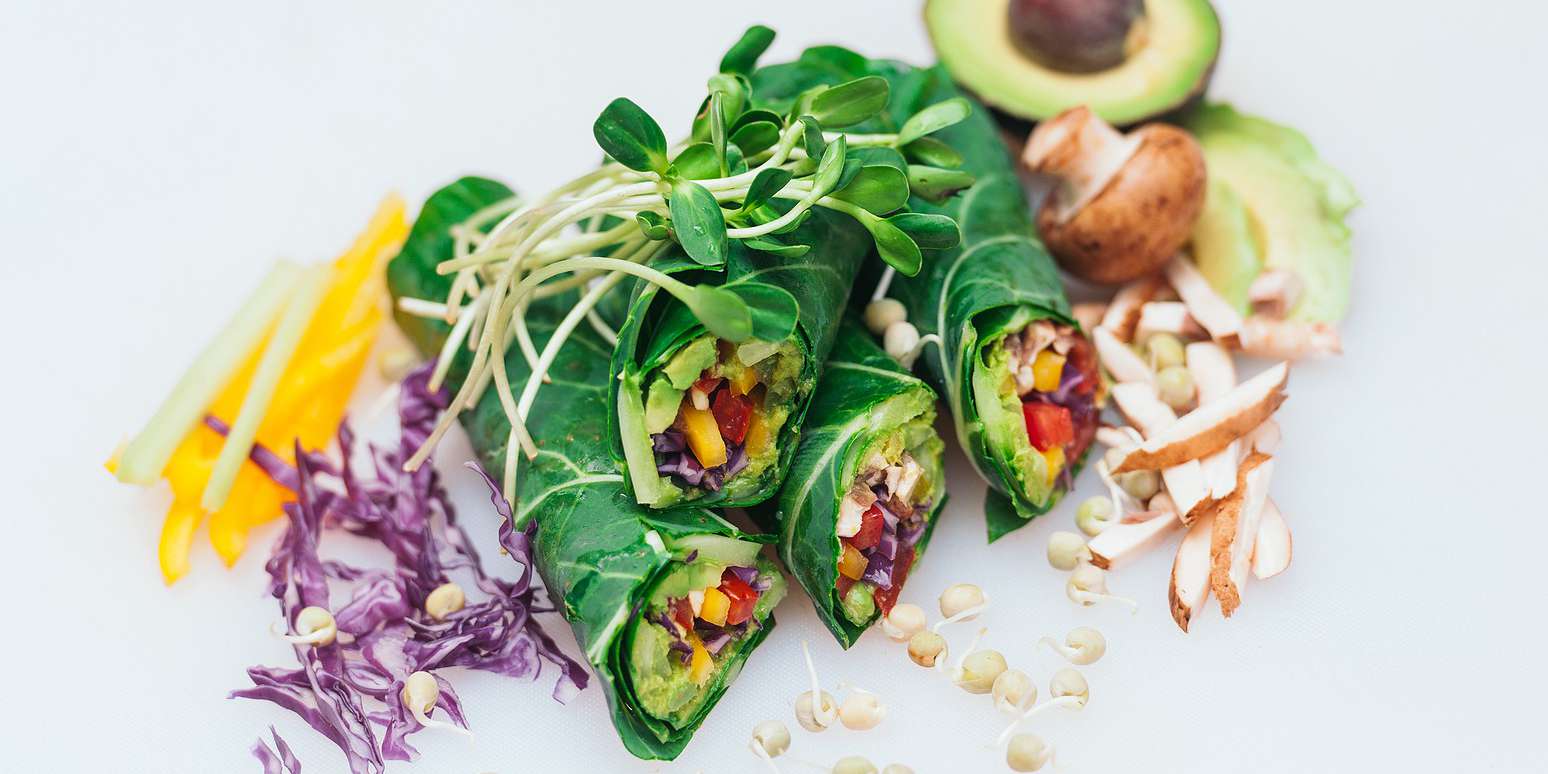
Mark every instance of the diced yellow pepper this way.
pixel 703 436
pixel 757 438
pixel 715 607
pixel 1055 459
pixel 851 562
pixel 1046 370
pixel 744 381
pixel 700 666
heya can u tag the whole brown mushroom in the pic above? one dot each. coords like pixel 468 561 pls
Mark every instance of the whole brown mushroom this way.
pixel 1123 204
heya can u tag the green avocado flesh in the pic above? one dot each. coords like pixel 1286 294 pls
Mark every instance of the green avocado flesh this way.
pixel 994 393
pixel 666 388
pixel 1272 204
pixel 1173 64
pixel 913 420
pixel 659 680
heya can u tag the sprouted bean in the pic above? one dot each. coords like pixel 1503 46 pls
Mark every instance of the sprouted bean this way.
pixel 1088 586
pixel 314 626
pixel 1165 351
pixel 1094 515
pixel 854 764
pixel 1082 646
pixel 978 671
pixel 961 602
pixel 926 647
pixel 1067 689
pixel 901 340
pixel 1066 550
pixel 1013 691
pixel 770 739
pixel 903 622
pixel 1027 752
pixel 897 768
pixel 883 312
pixel 815 710
pixel 861 711
pixel 446 599
pixel 420 693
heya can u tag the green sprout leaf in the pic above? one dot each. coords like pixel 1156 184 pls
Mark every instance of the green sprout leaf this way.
pixel 879 155
pixel 773 309
pixel 936 184
pixel 733 91
pixel 852 167
pixel 932 152
pixel 755 115
pixel 767 183
pixel 811 137
pixel 723 312
pixel 766 245
pixel 653 225
pixel 929 231
pixel 831 169
pixel 717 127
pixel 933 119
pixel 743 54
pixel 697 162
pixel 756 137
pixel 837 61
pixel 736 163
pixel 629 135
pixel 850 103
pixel 698 222
pixel 894 246
pixel 878 189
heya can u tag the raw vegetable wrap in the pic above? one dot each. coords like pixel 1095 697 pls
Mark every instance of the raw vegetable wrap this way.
pixel 864 488
pixel 1021 382
pixel 699 420
pixel 666 606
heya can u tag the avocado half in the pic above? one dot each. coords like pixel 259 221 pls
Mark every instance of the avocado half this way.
pixel 1171 66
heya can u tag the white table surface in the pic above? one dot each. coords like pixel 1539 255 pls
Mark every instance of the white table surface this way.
pixel 155 157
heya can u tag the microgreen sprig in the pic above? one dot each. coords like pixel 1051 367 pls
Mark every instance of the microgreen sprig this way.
pixel 747 173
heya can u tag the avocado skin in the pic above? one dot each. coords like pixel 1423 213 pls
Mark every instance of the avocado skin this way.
pixel 1005 89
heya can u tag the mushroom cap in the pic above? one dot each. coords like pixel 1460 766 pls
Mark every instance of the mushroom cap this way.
pixel 1140 218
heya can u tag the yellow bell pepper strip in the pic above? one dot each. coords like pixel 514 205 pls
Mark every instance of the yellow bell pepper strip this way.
pixel 703 436
pixel 1046 370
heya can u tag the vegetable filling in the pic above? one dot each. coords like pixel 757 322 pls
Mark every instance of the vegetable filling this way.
pixel 693 627
pixel 1048 376
pixel 714 411
pixel 882 518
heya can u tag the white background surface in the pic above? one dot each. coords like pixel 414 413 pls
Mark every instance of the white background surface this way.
pixel 155 157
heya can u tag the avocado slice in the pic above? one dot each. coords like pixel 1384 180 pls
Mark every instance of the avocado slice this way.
pixel 1272 204
pixel 1169 63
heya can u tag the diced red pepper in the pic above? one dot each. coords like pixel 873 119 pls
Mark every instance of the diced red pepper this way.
pixel 886 598
pixel 732 413
pixel 1082 358
pixel 682 613
pixel 1048 425
pixel 743 598
pixel 871 523
pixel 707 384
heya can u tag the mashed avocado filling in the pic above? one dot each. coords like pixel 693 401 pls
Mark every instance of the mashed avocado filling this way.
pixel 698 618
pixel 708 420
pixel 899 476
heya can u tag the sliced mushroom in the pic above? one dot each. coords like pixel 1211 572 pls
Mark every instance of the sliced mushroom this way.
pixel 1213 426
pixel 1264 438
pixel 1189 586
pixel 1118 437
pixel 1214 375
pixel 1275 292
pixel 1089 314
pixel 1166 317
pixel 1271 550
pixel 1123 312
pixel 1186 482
pixel 1236 530
pixel 1207 307
pixel 1121 542
pixel 1123 363
pixel 1288 339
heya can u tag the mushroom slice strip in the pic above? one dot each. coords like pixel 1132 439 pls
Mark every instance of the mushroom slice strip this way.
pixel 1186 482
pixel 1123 312
pixel 1206 306
pixel 1123 363
pixel 1118 437
pixel 1190 572
pixel 1264 438
pixel 1275 292
pixel 1212 426
pixel 1236 530
pixel 1123 541
pixel 1166 317
pixel 1271 549
pixel 1214 374
pixel 1288 339
pixel 1089 314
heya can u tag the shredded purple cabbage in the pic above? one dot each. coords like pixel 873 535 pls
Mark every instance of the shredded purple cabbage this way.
pixel 747 575
pixel 411 515
pixel 673 458
pixel 280 760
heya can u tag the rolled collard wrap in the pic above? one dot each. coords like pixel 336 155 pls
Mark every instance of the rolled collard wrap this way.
pixel 1021 382
pixel 864 489
pixel 666 606
pixel 699 420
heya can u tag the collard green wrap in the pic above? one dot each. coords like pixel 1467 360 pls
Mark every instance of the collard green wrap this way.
pixel 658 326
pixel 597 551
pixel 863 396
pixel 996 281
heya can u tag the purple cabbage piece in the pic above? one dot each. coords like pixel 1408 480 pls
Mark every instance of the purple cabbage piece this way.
pixel 678 644
pixel 910 535
pixel 888 516
pixel 1069 379
pixel 717 642
pixel 682 465
pixel 886 545
pixel 280 760
pixel 669 441
pixel 878 571
pixel 411 515
pixel 673 458
pixel 747 575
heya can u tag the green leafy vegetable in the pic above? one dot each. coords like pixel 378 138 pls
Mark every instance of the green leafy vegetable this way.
pixel 850 103
pixel 744 53
pixel 699 223
pixel 629 135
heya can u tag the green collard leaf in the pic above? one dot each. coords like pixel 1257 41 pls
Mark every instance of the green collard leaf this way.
pixel 756 137
pixel 811 137
pixel 723 312
pixel 629 135
pixel 772 308
pixel 1000 515
pixel 743 54
pixel 928 230
pixel 877 189
pixel 767 183
pixel 932 152
pixel 850 103
pixel 933 119
pixel 831 168
pixel 936 184
pixel 697 162
pixel 895 247
pixel 698 222
pixel 766 245
pixel 653 225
